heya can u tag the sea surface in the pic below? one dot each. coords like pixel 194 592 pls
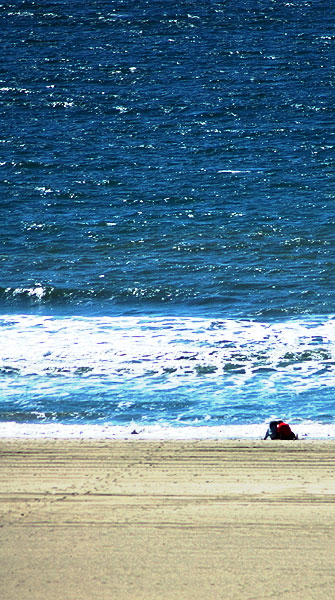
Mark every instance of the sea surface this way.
pixel 167 217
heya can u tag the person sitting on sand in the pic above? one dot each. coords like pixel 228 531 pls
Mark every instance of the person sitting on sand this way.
pixel 278 430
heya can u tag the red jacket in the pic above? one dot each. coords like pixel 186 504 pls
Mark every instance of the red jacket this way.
pixel 285 432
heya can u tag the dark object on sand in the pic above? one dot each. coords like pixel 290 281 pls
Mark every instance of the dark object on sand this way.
pixel 278 430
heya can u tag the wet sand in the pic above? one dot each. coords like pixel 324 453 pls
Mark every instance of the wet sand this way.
pixel 135 519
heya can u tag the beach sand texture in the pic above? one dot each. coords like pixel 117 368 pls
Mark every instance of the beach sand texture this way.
pixel 135 519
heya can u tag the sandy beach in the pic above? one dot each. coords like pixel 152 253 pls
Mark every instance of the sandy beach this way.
pixel 130 519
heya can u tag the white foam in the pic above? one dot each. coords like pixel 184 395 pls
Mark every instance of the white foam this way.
pixel 309 430
pixel 139 346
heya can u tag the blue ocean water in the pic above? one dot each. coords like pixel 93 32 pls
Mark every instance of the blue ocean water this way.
pixel 167 196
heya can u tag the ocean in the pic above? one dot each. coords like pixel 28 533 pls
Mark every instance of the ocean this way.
pixel 167 211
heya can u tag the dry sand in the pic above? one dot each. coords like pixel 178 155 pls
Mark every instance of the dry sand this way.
pixel 86 520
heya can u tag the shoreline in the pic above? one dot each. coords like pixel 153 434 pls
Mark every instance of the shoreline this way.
pixel 166 519
pixel 252 431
